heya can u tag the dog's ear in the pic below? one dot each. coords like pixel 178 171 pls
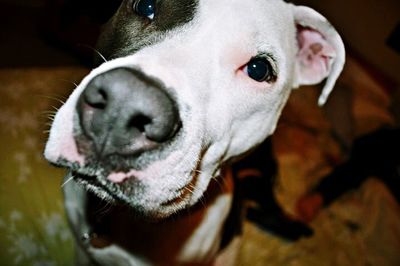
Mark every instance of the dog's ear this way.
pixel 320 53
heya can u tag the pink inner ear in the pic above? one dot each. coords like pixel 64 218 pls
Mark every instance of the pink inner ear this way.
pixel 314 57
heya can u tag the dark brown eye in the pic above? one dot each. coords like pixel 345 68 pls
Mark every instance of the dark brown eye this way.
pixel 259 69
pixel 145 8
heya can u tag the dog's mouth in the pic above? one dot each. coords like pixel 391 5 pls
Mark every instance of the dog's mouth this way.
pixel 131 192
pixel 155 183
pixel 93 184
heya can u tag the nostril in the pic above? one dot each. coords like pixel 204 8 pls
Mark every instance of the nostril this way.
pixel 96 97
pixel 124 111
pixel 139 122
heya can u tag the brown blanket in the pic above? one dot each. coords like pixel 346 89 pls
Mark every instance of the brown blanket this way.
pixel 362 228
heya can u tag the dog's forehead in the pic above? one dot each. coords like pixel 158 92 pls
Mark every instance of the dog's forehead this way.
pixel 258 20
pixel 237 28
pixel 257 9
pixel 261 22
pixel 127 32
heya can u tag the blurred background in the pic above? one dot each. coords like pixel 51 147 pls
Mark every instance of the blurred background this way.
pixel 46 46
pixel 370 29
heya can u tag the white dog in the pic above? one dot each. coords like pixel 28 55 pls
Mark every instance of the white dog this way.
pixel 191 85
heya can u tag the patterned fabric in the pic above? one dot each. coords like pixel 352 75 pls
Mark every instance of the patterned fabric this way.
pixel 33 229
pixel 361 228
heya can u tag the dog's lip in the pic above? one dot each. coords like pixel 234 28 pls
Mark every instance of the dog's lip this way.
pixel 91 180
pixel 180 194
pixel 183 192
pixel 65 163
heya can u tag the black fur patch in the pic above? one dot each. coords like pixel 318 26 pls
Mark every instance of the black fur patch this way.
pixel 127 32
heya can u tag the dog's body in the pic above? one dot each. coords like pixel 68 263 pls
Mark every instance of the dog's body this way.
pixel 129 240
pixel 192 84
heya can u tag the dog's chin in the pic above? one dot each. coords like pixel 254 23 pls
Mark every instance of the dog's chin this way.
pixel 136 201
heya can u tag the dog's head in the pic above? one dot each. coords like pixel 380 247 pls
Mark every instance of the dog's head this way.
pixel 189 85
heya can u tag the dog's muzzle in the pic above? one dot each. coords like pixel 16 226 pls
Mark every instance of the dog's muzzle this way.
pixel 124 112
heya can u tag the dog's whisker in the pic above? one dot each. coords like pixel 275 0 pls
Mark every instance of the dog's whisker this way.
pixel 55 108
pixel 105 208
pixel 191 191
pixel 101 56
pixel 219 183
pixel 94 50
pixel 53 98
pixel 48 115
pixel 48 112
pixel 67 181
pixel 69 81
pixel 202 201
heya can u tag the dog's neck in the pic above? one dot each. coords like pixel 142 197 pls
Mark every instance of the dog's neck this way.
pixel 192 236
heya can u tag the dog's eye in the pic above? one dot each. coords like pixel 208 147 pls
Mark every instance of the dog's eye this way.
pixel 259 69
pixel 145 8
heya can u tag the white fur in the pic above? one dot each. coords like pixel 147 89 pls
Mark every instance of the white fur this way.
pixel 229 112
pixel 224 113
pixel 204 243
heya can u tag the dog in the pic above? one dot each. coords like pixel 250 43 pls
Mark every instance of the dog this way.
pixel 189 86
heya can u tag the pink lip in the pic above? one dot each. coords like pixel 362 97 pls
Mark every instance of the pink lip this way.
pixel 117 177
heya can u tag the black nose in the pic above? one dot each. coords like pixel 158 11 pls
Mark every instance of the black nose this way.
pixel 125 112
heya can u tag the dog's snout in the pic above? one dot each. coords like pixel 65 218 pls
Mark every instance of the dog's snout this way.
pixel 125 112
